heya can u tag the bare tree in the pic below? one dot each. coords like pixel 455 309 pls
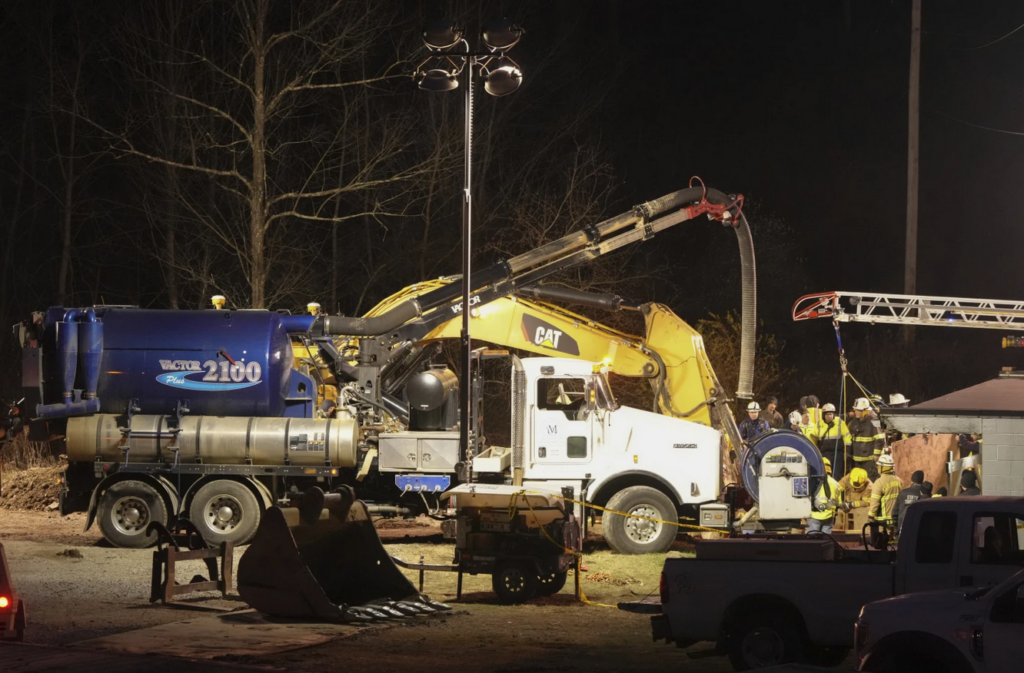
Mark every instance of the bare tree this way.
pixel 259 110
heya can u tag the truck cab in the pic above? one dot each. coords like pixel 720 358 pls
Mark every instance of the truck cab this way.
pixel 577 435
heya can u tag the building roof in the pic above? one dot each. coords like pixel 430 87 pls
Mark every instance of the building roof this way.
pixel 995 397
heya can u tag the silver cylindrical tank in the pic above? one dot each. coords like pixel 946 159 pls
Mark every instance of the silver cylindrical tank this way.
pixel 218 440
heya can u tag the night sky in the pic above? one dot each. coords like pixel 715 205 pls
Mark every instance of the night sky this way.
pixel 801 106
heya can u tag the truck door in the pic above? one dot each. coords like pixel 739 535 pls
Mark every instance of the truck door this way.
pixel 562 428
pixel 931 561
pixel 994 552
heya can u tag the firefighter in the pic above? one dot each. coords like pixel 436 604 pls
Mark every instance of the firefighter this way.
pixel 754 425
pixel 906 498
pixel 969 483
pixel 856 494
pixel 868 437
pixel 884 491
pixel 832 437
pixel 826 501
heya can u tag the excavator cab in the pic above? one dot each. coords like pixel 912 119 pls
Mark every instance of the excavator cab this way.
pixel 322 559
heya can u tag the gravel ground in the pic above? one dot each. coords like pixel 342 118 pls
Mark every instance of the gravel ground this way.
pixel 106 591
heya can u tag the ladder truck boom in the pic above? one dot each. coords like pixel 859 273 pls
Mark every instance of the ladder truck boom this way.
pixel 903 309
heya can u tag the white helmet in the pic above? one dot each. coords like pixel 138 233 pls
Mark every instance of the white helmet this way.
pixel 861 404
pixel 897 398
pixel 828 407
pixel 753 406
pixel 795 418
pixel 885 460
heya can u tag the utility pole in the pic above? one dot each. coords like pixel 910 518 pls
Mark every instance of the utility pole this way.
pixel 910 262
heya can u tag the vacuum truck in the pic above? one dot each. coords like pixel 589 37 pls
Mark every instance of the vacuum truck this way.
pixel 218 415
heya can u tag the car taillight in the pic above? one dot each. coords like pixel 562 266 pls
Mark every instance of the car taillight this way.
pixel 4 602
pixel 663 588
pixel 860 636
pixel 978 643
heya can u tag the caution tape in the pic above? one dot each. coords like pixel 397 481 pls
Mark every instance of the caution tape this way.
pixel 513 508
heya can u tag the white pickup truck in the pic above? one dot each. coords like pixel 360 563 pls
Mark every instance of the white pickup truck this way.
pixel 952 631
pixel 765 602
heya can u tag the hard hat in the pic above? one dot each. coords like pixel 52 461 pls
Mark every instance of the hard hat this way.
pixel 753 406
pixel 861 404
pixel 218 301
pixel 877 399
pixel 897 398
pixel 795 418
pixel 828 407
pixel 858 477
pixel 885 460
pixel 828 465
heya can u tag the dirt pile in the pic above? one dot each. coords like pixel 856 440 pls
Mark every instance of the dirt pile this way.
pixel 32 489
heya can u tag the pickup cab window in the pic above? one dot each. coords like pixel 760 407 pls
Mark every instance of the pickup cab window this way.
pixel 996 539
pixel 936 537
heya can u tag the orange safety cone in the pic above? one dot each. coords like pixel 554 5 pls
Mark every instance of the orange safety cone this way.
pixel 12 609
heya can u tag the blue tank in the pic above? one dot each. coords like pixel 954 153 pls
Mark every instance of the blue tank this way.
pixel 225 363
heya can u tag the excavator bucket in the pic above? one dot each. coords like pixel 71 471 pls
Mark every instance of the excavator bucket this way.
pixel 331 566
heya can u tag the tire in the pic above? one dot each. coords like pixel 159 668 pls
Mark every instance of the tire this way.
pixel 764 639
pixel 514 582
pixel 826 656
pixel 125 509
pixel 225 511
pixel 549 585
pixel 636 536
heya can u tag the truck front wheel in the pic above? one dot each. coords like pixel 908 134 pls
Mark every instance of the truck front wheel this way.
pixel 764 639
pixel 640 532
pixel 225 511
pixel 125 509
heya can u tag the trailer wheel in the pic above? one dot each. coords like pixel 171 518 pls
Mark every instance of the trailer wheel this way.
pixel 125 509
pixel 514 582
pixel 549 585
pixel 225 511
pixel 764 639
pixel 629 535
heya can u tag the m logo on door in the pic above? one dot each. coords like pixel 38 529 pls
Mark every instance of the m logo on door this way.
pixel 546 335
pixel 552 429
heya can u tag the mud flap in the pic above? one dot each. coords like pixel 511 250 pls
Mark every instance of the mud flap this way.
pixel 321 568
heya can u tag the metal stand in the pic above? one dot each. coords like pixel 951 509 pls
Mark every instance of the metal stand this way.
pixel 169 552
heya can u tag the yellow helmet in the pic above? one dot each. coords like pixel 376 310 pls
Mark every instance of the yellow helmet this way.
pixel 828 465
pixel 858 477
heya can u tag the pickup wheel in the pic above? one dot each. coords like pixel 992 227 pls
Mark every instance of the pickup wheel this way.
pixel 763 639
pixel 628 535
pixel 126 509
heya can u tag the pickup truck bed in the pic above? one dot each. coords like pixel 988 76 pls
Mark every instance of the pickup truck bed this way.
pixel 796 598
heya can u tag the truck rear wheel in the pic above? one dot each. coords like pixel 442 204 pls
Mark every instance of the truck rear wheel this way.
pixel 125 509
pixel 550 585
pixel 629 535
pixel 225 511
pixel 764 639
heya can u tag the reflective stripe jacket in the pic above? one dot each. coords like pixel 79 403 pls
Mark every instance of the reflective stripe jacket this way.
pixel 868 438
pixel 827 435
pixel 855 497
pixel 822 498
pixel 883 496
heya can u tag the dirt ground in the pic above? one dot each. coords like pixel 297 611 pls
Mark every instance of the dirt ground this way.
pixel 105 592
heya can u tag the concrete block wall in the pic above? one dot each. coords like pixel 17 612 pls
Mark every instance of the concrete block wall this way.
pixel 1002 469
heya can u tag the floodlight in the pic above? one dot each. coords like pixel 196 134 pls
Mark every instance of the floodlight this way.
pixel 504 78
pixel 438 80
pixel 501 34
pixel 441 34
